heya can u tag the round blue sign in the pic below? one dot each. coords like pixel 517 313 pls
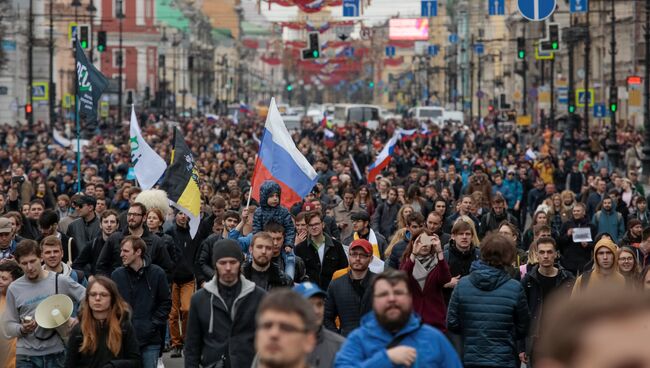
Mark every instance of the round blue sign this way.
pixel 536 10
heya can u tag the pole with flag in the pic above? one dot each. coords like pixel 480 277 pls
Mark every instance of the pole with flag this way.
pixel 181 182
pixel 383 158
pixel 148 166
pixel 90 86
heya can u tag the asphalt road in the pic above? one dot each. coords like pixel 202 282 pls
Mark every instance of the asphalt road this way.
pixel 172 362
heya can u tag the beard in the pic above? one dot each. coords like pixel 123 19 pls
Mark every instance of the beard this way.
pixel 394 324
pixel 276 363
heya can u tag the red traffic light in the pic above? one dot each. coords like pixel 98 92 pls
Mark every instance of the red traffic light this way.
pixel 28 109
pixel 490 108
pixel 634 80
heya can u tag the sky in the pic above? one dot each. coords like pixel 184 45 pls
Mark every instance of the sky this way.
pixel 377 11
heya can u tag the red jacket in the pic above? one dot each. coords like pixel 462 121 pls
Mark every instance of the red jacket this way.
pixel 430 302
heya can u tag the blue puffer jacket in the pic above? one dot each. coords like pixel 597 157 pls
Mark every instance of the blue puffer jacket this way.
pixel 366 346
pixel 489 310
pixel 265 213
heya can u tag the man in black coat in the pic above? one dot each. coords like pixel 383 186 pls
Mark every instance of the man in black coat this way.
pixel 260 269
pixel 349 297
pixel 575 255
pixel 87 260
pixel 144 286
pixel 156 252
pixel 84 229
pixel 322 255
pixel 221 323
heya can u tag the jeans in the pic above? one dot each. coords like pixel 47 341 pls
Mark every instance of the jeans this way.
pixel 149 356
pixel 290 264
pixel 55 360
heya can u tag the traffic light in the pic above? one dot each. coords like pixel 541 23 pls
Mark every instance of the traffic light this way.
pixel 28 111
pixel 289 87
pixel 554 36
pixel 371 84
pixel 101 41
pixel 521 48
pixel 572 108
pixel 613 99
pixel 84 33
pixel 313 49
pixel 490 108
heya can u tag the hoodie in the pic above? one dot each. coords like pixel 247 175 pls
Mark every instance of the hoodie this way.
pixel 594 278
pixel 219 335
pixel 488 291
pixel 280 214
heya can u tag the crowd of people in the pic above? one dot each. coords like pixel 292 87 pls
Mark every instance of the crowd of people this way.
pixel 446 259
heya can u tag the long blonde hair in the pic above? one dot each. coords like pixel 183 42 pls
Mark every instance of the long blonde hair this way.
pixel 401 219
pixel 119 311
pixel 399 235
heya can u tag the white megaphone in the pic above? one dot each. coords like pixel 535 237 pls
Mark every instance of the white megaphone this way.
pixel 54 312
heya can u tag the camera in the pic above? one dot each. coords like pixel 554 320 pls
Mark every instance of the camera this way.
pixel 17 179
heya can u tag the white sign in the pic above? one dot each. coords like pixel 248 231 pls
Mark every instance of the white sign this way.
pixel 581 235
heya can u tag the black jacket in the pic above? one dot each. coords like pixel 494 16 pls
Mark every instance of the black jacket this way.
pixel 216 334
pixel 490 221
pixel 396 253
pixel 84 232
pixel 186 250
pixel 300 272
pixel 334 259
pixel 128 357
pixel 87 259
pixel 205 267
pixel 275 277
pixel 147 292
pixel 459 263
pixel 109 258
pixel 384 218
pixel 347 303
pixel 574 255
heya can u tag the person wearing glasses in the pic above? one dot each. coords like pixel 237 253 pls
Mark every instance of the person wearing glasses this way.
pixel 156 251
pixel 322 254
pixel 85 228
pixel 104 335
pixel 221 320
pixel 393 335
pixel 349 296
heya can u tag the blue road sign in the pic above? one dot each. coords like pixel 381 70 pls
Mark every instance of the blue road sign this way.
pixel 350 8
pixel 429 8
pixel 433 50
pixel 536 10
pixel 563 95
pixel 496 7
pixel 600 111
pixel 349 51
pixel 479 48
pixel 579 6
pixel 390 51
pixel 453 38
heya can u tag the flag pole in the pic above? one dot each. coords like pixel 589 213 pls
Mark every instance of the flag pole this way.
pixel 76 109
pixel 257 157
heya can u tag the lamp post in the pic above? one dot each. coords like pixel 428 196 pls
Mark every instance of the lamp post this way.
pixel 613 149
pixel 163 66
pixel 120 60
pixel 646 85
pixel 91 9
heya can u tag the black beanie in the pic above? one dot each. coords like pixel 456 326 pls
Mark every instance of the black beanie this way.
pixel 227 248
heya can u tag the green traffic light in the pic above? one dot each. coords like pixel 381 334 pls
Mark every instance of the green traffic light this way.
pixel 371 84
pixel 522 54
pixel 613 107
pixel 572 109
pixel 100 48
pixel 289 87
pixel 84 44
pixel 554 46
pixel 315 53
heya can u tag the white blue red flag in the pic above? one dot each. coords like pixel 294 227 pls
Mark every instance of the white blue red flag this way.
pixel 244 108
pixel 383 158
pixel 279 160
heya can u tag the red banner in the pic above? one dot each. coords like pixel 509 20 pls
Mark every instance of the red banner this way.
pixel 271 60
pixel 394 61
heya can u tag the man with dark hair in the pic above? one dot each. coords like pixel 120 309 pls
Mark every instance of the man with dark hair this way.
pixel 392 335
pixel 87 259
pixel 221 322
pixel 36 347
pixel 290 344
pixel 48 225
pixel 383 220
pixel 362 230
pixel 576 254
pixel 490 291
pixel 322 255
pixel 434 224
pixel 206 268
pixel 218 206
pixel 156 251
pixel 414 222
pixel 144 286
pixel 280 256
pixel 343 212
pixel 464 209
pixel 538 284
pixel 349 297
pixel 84 229
pixel 259 268
pixel 499 213
pixel 592 331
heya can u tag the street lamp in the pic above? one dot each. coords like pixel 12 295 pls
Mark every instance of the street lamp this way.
pixel 613 148
pixel 76 4
pixel 161 61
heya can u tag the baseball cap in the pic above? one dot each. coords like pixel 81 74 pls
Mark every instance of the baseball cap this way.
pixel 309 289
pixel 309 206
pixel 363 244
pixel 5 225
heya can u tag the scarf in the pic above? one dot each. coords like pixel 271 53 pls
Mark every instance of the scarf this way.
pixel 376 265
pixel 423 266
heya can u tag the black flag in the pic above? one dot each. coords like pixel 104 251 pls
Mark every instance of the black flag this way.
pixel 90 86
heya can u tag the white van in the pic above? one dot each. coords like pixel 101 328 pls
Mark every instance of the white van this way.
pixel 455 117
pixel 425 113
pixel 349 113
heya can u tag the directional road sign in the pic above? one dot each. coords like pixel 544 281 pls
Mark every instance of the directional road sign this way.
pixel 390 51
pixel 496 7
pixel 536 10
pixel 433 50
pixel 579 6
pixel 584 98
pixel 429 8
pixel 350 8
pixel 600 111
pixel 479 48
pixel 563 95
pixel 453 38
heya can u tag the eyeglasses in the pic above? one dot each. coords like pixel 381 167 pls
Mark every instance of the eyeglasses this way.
pixel 626 259
pixel 315 225
pixel 359 255
pixel 131 214
pixel 101 295
pixel 284 327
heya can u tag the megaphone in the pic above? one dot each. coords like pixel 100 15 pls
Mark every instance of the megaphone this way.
pixel 54 311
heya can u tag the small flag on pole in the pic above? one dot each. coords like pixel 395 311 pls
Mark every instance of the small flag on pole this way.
pixel 90 86
pixel 148 166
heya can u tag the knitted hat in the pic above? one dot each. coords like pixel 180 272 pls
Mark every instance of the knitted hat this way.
pixel 227 248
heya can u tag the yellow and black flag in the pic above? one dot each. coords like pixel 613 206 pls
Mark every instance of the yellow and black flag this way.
pixel 181 182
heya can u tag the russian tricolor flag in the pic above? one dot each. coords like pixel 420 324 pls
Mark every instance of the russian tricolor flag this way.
pixel 383 158
pixel 279 160
pixel 244 108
